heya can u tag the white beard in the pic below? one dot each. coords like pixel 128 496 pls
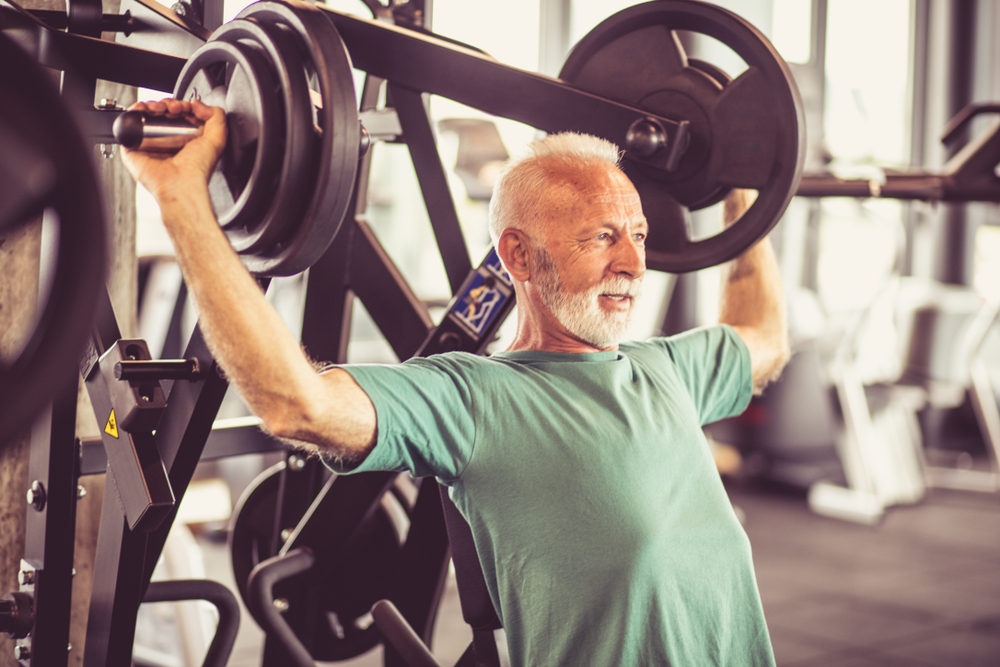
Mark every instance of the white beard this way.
pixel 581 313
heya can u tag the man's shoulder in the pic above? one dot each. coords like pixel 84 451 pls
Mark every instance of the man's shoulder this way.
pixel 452 360
pixel 697 343
pixel 709 334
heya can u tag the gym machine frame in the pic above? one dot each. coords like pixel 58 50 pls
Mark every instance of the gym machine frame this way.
pixel 150 471
pixel 127 551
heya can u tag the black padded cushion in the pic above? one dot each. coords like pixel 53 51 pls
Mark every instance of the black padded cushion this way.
pixel 477 608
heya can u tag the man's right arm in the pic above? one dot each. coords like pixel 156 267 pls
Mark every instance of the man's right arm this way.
pixel 326 411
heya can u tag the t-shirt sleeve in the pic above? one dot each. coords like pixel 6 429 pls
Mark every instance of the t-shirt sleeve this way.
pixel 714 364
pixel 424 415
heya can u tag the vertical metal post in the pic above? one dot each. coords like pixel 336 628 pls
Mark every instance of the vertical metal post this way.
pixel 50 527
pixel 182 433
pixel 117 588
pixel 953 262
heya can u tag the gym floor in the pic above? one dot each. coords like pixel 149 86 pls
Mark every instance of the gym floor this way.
pixel 920 589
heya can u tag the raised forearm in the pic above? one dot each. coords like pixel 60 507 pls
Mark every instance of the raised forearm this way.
pixel 753 303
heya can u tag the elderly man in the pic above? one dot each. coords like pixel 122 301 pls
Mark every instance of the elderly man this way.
pixel 601 523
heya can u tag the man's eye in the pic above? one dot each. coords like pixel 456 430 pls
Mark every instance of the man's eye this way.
pixel 641 238
pixel 603 236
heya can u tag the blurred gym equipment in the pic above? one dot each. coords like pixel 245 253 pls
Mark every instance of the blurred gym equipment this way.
pixel 46 170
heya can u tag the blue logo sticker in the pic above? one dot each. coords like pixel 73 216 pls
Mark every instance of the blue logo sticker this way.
pixel 480 303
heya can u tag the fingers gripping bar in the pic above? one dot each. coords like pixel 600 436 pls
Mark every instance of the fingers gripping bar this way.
pixel 132 127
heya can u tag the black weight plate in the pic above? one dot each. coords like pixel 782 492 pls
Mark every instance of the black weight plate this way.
pixel 723 79
pixel 297 175
pixel 342 626
pixel 746 133
pixel 45 165
pixel 238 79
pixel 336 123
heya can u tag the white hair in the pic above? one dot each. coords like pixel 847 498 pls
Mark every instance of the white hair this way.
pixel 518 194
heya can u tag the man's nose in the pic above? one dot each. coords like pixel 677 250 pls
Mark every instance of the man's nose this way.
pixel 630 258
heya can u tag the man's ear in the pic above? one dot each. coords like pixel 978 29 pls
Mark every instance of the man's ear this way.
pixel 513 248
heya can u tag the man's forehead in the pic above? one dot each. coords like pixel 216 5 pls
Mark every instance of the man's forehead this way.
pixel 592 183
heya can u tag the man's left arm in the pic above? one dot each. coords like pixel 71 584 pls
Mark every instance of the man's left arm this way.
pixel 753 302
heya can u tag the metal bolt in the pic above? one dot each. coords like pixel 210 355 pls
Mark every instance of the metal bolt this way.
pixel 281 604
pixel 81 492
pixel 285 534
pixel 36 495
pixel 108 151
pixel 108 103
pixel 296 462
pixel 26 578
pixel 73 572
pixel 22 652
pixel 69 647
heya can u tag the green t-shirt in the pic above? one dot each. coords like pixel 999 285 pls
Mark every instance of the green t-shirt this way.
pixel 602 525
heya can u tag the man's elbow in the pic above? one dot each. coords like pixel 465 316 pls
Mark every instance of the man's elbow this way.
pixel 317 426
pixel 770 364
pixel 287 422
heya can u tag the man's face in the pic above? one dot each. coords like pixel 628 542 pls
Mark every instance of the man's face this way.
pixel 591 258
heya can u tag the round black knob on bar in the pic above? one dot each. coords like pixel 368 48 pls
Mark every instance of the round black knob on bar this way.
pixel 16 615
pixel 132 127
pixel 646 137
pixel 162 369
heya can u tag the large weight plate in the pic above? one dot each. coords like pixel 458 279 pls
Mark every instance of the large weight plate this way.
pixel 296 176
pixel 342 625
pixel 336 128
pixel 238 79
pixel 745 133
pixel 45 165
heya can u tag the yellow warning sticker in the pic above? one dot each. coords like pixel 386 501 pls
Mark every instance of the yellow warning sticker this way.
pixel 112 427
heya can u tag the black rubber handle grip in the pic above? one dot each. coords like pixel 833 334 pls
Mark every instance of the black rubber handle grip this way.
pixel 132 127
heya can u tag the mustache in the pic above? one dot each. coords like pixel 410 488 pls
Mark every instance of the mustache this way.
pixel 631 287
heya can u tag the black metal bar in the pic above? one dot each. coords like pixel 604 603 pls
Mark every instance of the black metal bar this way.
pixel 336 512
pixel 370 93
pixel 953 245
pixel 260 595
pixel 326 317
pixel 299 484
pixel 183 431
pixel 161 29
pixel 396 310
pixel 421 575
pixel 97 58
pixel 225 602
pixel 213 14
pixel 125 558
pixel 229 437
pixel 397 633
pixel 435 66
pixel 109 22
pixel 419 138
pixel 50 527
pixel 158 369
pixel 96 125
pixel 326 528
pixel 923 186
pixel 118 560
pixel 117 588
